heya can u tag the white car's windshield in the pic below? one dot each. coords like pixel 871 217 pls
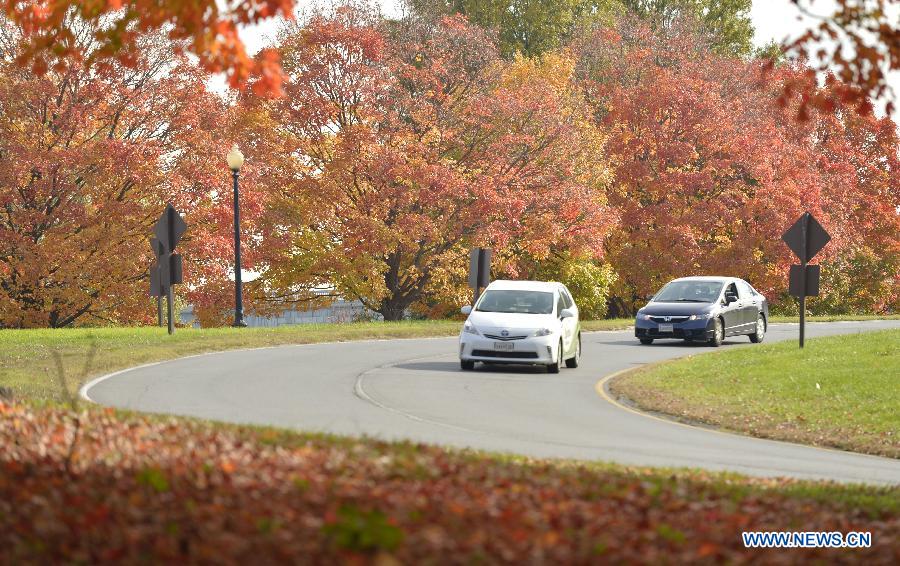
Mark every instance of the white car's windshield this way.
pixel 689 292
pixel 515 301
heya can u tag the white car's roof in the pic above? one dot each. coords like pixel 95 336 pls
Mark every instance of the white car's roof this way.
pixel 712 278
pixel 502 284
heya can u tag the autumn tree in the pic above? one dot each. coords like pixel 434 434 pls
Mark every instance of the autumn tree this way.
pixel 413 142
pixel 91 155
pixel 710 171
pixel 206 28
pixel 856 43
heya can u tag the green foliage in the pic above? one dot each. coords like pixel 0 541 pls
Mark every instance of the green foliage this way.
pixel 363 531
pixel 588 280
pixel 529 27
pixel 858 282
pixel 726 22
pixel 771 50
pixel 154 478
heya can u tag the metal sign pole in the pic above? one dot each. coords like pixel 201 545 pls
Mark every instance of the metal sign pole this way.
pixel 803 260
pixel 168 257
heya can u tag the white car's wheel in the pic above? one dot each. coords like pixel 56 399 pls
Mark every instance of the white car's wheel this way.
pixel 573 361
pixel 557 365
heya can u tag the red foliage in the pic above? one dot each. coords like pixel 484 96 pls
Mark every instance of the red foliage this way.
pixel 206 28
pixel 711 172
pixel 415 140
pixel 136 489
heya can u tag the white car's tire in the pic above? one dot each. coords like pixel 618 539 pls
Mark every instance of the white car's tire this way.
pixel 574 360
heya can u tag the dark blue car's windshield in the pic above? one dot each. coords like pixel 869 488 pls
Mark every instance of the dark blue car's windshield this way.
pixel 512 301
pixel 689 292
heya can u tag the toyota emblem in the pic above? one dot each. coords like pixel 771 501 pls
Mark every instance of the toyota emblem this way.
pixel 504 333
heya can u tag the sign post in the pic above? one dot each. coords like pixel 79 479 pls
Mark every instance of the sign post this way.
pixel 156 287
pixel 168 231
pixel 479 270
pixel 805 238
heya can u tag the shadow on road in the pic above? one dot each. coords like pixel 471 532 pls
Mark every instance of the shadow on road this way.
pixel 666 342
pixel 454 367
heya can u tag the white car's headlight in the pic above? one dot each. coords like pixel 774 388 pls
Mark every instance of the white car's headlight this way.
pixel 470 328
pixel 543 332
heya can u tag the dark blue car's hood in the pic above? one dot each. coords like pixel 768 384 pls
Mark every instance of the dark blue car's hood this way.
pixel 676 308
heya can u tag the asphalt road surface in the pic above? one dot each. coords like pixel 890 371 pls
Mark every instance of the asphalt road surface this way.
pixel 414 390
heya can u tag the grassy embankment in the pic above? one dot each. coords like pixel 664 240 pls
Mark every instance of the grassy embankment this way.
pixel 28 365
pixel 839 391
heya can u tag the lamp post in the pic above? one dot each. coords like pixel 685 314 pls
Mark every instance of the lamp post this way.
pixel 235 160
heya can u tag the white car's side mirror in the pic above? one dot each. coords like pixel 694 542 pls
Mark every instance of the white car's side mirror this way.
pixel 566 313
pixel 466 309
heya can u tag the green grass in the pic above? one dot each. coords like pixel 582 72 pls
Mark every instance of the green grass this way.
pixel 835 318
pixel 28 362
pixel 839 391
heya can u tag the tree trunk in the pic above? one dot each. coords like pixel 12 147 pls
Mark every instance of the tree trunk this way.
pixel 393 308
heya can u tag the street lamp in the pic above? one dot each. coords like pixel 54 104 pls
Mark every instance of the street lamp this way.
pixel 235 160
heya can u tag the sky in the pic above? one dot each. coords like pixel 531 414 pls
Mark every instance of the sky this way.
pixel 777 20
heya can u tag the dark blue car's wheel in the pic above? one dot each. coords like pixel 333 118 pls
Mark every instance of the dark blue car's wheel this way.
pixel 646 340
pixel 760 333
pixel 718 333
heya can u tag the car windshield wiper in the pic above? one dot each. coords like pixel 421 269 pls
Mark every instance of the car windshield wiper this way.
pixel 688 301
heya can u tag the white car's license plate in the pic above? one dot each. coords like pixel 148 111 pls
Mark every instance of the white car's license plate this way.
pixel 504 346
pixel 665 328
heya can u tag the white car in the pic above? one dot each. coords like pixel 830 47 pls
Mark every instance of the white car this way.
pixel 522 322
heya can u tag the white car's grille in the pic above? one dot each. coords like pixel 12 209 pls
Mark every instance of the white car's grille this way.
pixel 504 338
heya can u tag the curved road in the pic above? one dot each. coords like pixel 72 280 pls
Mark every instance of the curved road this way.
pixel 413 389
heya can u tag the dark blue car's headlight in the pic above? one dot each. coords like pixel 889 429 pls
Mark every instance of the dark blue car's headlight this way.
pixel 701 316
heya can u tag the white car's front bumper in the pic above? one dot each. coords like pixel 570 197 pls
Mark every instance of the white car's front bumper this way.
pixel 531 350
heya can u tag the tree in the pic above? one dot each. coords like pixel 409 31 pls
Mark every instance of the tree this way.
pixel 856 46
pixel 529 27
pixel 413 142
pixel 205 28
pixel 710 171
pixel 91 155
pixel 727 23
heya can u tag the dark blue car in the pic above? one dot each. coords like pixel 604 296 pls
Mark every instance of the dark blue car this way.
pixel 703 309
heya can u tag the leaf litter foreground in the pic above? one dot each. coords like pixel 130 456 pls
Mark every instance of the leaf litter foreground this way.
pixel 97 486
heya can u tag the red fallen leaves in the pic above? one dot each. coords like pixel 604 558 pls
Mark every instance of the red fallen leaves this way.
pixel 178 491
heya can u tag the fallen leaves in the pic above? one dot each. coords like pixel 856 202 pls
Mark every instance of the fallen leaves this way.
pixel 178 491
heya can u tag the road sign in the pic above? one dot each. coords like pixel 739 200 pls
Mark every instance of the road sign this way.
pixel 168 268
pixel 806 237
pixel 170 228
pixel 479 269
pixel 804 281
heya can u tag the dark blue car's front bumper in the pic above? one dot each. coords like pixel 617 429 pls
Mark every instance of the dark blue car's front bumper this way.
pixel 701 329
